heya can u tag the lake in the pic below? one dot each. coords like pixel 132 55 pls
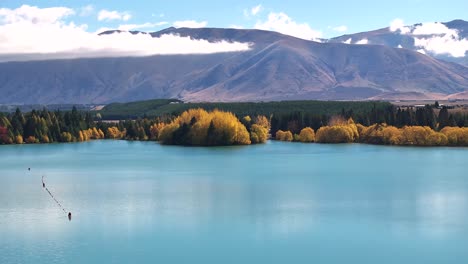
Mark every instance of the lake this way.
pixel 140 202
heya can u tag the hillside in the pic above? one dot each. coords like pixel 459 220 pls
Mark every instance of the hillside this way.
pixel 277 67
pixel 162 107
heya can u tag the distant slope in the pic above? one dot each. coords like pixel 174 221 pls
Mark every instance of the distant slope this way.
pixel 395 39
pixel 161 107
pixel 278 67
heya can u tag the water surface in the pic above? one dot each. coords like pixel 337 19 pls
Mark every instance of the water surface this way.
pixel 139 202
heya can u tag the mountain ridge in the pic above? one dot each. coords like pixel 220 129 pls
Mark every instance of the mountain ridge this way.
pixel 278 67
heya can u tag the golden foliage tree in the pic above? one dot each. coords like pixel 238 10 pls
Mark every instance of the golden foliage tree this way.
pixel 456 136
pixel 31 140
pixel 341 131
pixel 263 121
pixel 284 135
pixel 19 139
pixel 199 127
pixel 155 130
pixel 258 134
pixel 307 135
pixel 114 133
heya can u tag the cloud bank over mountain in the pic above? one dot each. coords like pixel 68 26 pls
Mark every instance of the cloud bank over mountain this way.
pixel 433 37
pixel 30 32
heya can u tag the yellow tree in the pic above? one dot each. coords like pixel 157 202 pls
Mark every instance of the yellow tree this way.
pixel 307 135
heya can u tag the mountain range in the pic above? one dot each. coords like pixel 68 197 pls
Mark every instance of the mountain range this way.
pixel 277 67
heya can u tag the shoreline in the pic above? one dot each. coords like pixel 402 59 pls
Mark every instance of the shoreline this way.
pixel 269 140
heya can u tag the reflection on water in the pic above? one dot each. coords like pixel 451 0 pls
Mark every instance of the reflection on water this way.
pixel 129 198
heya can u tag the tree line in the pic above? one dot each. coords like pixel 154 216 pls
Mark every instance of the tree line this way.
pixel 379 125
pixel 346 131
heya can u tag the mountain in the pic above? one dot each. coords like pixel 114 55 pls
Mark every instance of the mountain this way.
pixel 278 67
pixel 407 40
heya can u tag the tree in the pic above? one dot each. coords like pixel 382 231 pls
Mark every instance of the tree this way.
pixel 443 118
pixel 258 134
pixel 307 135
pixel 284 135
pixel 199 127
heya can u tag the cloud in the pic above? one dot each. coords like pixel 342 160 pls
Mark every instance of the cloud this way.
pixel 342 28
pixel 421 51
pixel 236 26
pixel 433 29
pixel 433 37
pixel 362 42
pixel 256 9
pixel 190 24
pixel 129 27
pixel 106 15
pixel 87 10
pixel 35 15
pixel 398 25
pixel 438 39
pixel 446 44
pixel 28 33
pixel 282 23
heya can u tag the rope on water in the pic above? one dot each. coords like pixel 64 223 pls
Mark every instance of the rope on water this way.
pixel 51 195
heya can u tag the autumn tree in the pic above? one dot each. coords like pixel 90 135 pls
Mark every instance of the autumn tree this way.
pixel 199 127
pixel 258 134
pixel 284 135
pixel 307 135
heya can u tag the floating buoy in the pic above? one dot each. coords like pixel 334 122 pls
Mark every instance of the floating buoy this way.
pixel 56 201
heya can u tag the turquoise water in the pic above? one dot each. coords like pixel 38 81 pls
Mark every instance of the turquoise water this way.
pixel 139 202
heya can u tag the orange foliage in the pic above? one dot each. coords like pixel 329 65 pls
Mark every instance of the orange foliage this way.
pixel 258 134
pixel 199 127
pixel 284 135
pixel 115 133
pixel 19 139
pixel 155 131
pixel 31 140
pixel 307 135
pixel 456 136
pixel 341 132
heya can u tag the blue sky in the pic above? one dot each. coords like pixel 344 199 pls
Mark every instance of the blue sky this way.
pixel 321 16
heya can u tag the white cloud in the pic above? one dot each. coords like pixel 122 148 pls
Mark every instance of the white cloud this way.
pixel 32 33
pixel 399 25
pixel 439 39
pixel 434 37
pixel 445 44
pixel 87 10
pixel 34 15
pixel 434 29
pixel 236 26
pixel 421 51
pixel 190 24
pixel 128 27
pixel 342 28
pixel 282 23
pixel 106 15
pixel 362 42
pixel 348 41
pixel 256 9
